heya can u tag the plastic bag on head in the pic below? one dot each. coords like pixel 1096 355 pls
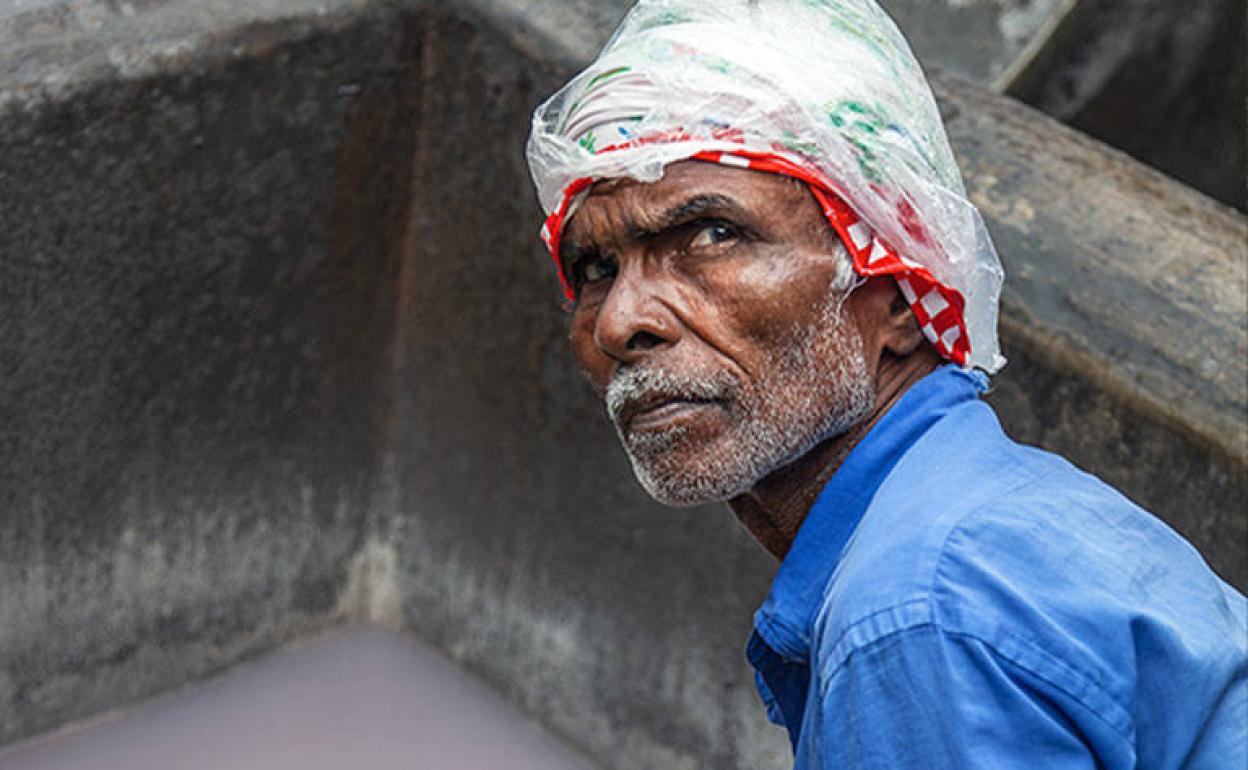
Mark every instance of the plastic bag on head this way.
pixel 829 87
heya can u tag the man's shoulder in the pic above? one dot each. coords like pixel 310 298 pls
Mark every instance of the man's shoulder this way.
pixel 1089 601
pixel 968 506
pixel 1045 564
pixel 962 483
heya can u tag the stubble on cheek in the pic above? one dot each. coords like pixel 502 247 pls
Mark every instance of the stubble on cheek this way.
pixel 815 386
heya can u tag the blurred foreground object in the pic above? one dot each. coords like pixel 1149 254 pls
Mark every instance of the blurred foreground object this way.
pixel 358 697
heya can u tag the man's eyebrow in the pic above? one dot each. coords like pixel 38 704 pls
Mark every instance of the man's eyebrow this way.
pixel 690 209
pixel 681 213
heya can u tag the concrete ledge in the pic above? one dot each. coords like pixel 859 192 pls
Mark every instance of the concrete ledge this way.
pixel 1163 81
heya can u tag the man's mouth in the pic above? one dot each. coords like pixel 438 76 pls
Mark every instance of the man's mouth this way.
pixel 653 400
pixel 662 413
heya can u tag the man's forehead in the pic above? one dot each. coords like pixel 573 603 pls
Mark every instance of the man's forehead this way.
pixel 641 205
pixel 680 176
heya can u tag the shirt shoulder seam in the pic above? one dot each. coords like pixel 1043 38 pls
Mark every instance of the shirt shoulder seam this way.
pixel 988 634
pixel 922 596
pixel 916 614
pixel 938 585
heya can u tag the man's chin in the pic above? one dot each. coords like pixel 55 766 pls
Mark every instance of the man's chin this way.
pixel 682 494
pixel 683 478
pixel 689 466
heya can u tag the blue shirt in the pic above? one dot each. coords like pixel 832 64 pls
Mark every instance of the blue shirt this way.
pixel 956 600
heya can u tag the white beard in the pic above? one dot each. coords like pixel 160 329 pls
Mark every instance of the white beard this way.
pixel 817 387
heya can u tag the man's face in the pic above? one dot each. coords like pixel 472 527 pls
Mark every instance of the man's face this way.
pixel 711 315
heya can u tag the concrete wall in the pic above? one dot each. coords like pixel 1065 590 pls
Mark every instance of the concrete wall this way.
pixel 190 427
pixel 524 547
pixel 281 350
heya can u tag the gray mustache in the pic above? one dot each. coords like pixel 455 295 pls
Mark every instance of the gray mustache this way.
pixel 633 384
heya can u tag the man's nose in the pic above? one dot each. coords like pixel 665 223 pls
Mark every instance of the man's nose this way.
pixel 634 320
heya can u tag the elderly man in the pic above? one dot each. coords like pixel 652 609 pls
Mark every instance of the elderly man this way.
pixel 787 303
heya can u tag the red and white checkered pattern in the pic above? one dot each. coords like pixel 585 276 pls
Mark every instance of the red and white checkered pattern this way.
pixel 939 309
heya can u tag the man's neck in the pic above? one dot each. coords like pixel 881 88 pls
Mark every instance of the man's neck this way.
pixel 775 508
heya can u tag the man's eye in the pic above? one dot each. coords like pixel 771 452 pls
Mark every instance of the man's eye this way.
pixel 594 269
pixel 713 234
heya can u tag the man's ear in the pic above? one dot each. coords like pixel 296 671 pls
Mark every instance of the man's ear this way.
pixel 885 313
pixel 904 325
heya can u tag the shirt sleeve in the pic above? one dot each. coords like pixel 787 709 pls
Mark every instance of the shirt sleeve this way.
pixel 923 697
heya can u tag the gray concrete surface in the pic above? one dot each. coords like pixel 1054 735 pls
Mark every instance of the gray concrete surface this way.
pixel 1162 80
pixel 282 351
pixel 358 697
pixel 190 429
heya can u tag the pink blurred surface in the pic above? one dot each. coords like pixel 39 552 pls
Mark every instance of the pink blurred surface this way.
pixel 360 697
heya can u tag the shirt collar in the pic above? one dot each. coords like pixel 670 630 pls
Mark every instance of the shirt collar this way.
pixel 786 615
